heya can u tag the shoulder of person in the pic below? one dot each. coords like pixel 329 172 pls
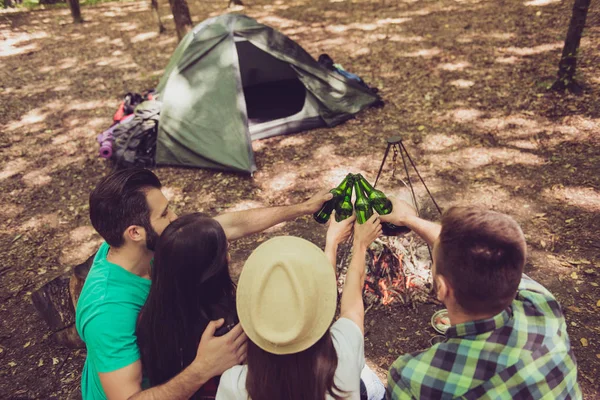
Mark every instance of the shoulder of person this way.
pixel 537 300
pixel 345 326
pixel 232 384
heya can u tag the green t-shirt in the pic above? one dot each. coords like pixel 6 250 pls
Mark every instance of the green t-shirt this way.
pixel 106 316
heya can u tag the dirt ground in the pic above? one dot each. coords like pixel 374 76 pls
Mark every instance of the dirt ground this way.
pixel 465 84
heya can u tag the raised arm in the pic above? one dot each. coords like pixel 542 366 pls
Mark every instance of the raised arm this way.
pixel 238 224
pixel 352 306
pixel 337 233
pixel 214 356
pixel 403 214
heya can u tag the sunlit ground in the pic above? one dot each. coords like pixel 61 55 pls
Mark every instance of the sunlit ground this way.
pixel 465 84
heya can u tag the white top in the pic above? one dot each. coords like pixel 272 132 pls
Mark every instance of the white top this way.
pixel 349 345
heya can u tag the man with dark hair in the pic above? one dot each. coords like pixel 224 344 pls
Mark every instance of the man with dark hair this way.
pixel 508 337
pixel 129 211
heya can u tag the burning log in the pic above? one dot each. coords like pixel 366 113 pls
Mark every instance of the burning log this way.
pixel 398 272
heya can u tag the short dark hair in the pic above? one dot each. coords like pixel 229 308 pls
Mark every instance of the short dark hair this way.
pixel 119 201
pixel 482 254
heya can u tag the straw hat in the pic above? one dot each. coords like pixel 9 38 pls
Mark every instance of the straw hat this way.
pixel 286 295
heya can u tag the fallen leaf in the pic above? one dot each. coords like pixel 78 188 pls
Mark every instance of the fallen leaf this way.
pixel 584 342
pixel 594 284
pixel 12 364
pixel 41 362
pixel 574 309
pixel 574 275
pixel 421 127
pixel 54 360
pixel 598 355
pixel 26 345
pixel 598 303
pixel 590 271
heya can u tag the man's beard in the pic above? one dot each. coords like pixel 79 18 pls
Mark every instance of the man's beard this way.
pixel 151 237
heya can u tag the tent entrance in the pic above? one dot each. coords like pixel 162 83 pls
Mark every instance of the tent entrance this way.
pixel 272 89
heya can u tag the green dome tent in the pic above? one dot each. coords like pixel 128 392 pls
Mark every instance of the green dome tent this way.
pixel 232 80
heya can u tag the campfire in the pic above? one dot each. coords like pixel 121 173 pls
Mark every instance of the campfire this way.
pixel 398 272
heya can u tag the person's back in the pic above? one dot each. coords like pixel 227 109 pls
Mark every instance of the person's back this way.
pixel 508 337
pixel 523 352
pixel 191 286
pixel 286 301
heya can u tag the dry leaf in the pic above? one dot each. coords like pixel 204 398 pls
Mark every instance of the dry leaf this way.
pixel 574 309
pixel 26 345
pixel 598 303
pixel 574 275
pixel 12 364
pixel 54 360
pixel 584 342
pixel 41 362
pixel 594 284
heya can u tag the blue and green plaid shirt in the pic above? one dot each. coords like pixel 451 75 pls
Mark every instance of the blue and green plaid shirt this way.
pixel 522 353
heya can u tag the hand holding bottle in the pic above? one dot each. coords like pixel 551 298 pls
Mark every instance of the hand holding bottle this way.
pixel 400 212
pixel 338 232
pixel 364 234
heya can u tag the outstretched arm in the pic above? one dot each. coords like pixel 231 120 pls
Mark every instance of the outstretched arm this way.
pixel 403 214
pixel 238 224
pixel 351 305
pixel 337 233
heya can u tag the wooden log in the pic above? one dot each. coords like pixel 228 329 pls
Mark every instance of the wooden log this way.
pixel 53 302
pixel 56 302
pixel 68 337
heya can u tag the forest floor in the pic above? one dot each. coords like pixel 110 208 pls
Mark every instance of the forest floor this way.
pixel 465 84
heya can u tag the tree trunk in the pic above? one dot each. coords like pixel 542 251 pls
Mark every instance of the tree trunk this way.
pixel 75 11
pixel 181 16
pixel 154 4
pixel 568 60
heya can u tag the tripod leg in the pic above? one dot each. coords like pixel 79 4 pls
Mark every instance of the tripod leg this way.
pixel 412 190
pixel 382 163
pixel 419 175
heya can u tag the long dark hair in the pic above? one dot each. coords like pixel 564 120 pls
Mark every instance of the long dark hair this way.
pixel 305 375
pixel 191 285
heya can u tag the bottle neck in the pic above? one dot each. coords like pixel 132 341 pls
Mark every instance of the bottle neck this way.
pixel 366 185
pixel 359 192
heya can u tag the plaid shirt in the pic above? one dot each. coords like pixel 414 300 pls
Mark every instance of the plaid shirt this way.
pixel 521 353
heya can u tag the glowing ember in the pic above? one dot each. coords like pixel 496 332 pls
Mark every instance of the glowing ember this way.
pixel 398 271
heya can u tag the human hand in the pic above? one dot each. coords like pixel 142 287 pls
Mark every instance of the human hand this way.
pixel 215 355
pixel 364 234
pixel 315 203
pixel 337 232
pixel 401 210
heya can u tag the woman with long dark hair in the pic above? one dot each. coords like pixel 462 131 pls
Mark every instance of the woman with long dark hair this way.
pixel 286 302
pixel 191 286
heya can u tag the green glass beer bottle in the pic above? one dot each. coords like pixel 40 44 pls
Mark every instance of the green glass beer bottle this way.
pixel 362 204
pixel 378 200
pixel 323 215
pixel 343 208
pixel 382 205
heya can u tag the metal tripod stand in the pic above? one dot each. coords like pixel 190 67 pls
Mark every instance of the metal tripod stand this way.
pixel 395 143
